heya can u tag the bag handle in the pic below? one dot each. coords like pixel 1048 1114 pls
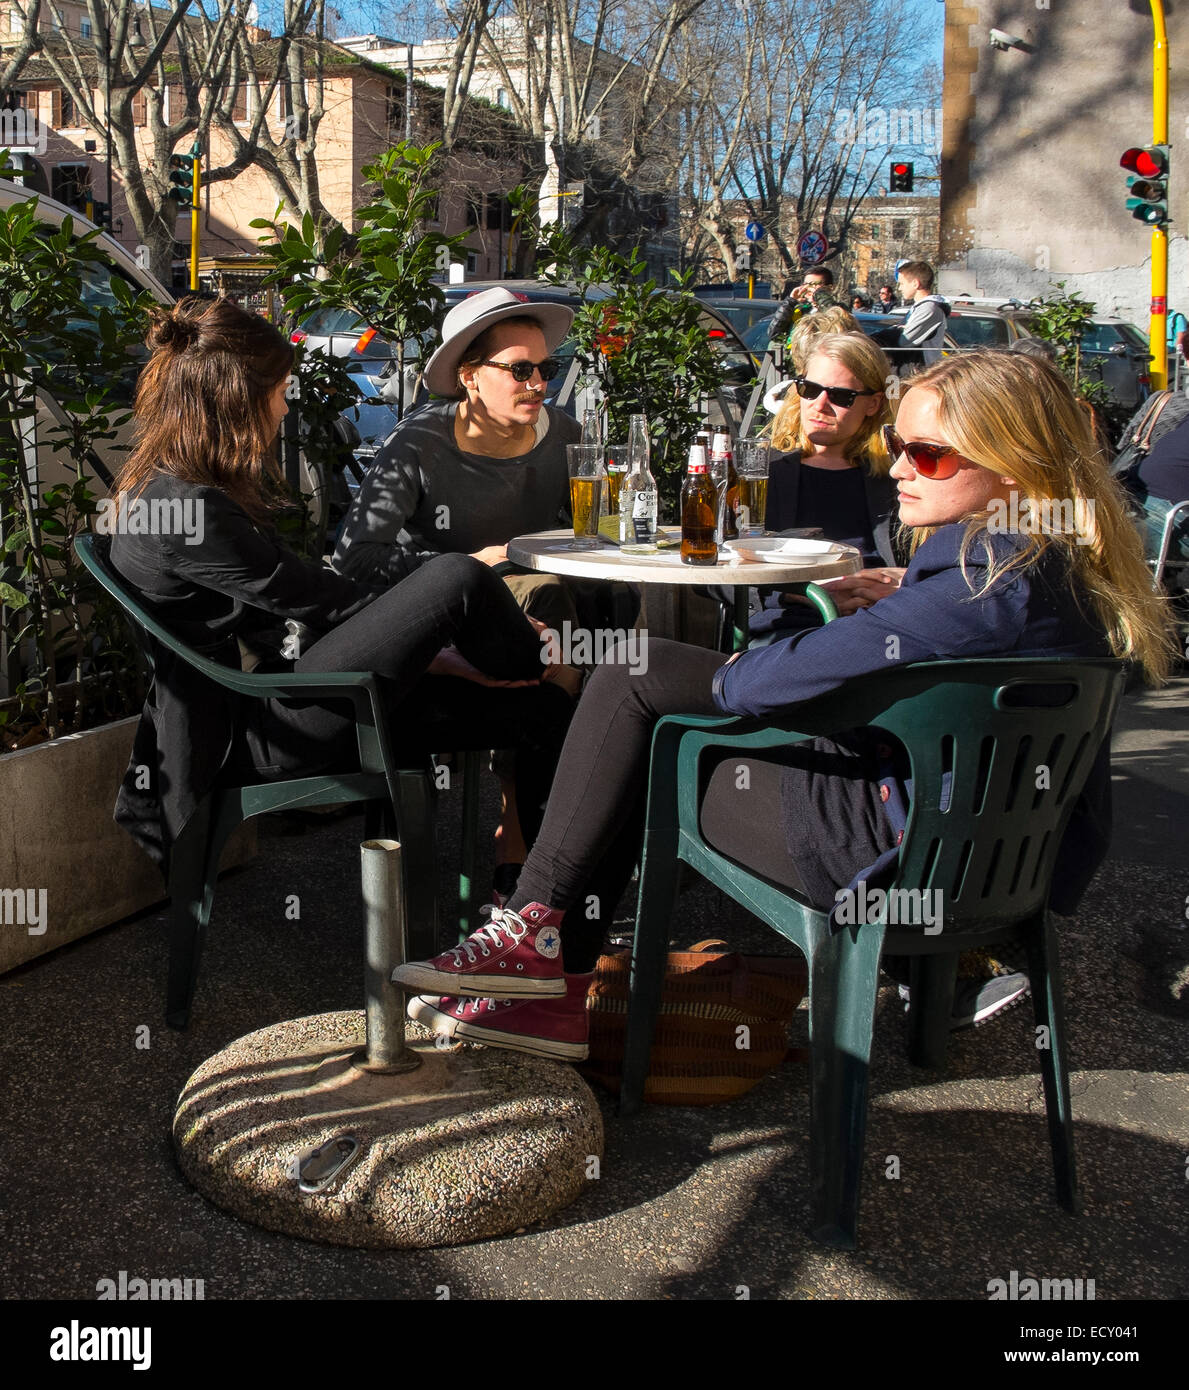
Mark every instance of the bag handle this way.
pixel 1142 438
pixel 710 941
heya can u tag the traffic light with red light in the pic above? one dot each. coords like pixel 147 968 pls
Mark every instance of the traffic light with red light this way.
pixel 1147 185
pixel 901 179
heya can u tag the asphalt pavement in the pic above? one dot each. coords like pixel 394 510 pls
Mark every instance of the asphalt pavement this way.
pixel 690 1204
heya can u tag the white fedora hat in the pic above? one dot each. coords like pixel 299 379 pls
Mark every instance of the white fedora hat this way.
pixel 463 324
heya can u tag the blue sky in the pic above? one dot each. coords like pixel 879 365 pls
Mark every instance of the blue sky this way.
pixel 359 17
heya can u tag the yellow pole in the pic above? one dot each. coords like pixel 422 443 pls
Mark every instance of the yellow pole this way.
pixel 197 186
pixel 1158 312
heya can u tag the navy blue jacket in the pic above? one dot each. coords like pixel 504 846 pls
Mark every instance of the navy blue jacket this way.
pixel 784 492
pixel 933 616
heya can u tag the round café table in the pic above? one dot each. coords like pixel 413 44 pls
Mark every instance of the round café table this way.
pixel 550 552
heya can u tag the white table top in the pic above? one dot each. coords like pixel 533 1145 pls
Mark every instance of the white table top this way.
pixel 550 552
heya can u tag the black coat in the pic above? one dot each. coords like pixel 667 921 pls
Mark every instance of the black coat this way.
pixel 784 485
pixel 236 581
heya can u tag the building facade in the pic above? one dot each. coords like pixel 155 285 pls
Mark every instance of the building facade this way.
pixel 363 115
pixel 1032 191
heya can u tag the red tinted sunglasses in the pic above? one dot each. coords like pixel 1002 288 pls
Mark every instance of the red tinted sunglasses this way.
pixel 935 461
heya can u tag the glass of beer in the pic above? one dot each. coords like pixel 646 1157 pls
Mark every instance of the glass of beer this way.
pixel 751 464
pixel 586 493
pixel 615 461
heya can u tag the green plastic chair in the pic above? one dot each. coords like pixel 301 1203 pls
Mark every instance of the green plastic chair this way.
pixel 990 849
pixel 400 800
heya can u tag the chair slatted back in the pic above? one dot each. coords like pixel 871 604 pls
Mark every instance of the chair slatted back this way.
pixel 998 760
pixel 999 751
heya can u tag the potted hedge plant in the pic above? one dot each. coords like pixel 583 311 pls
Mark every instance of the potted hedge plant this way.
pixel 643 346
pixel 71 676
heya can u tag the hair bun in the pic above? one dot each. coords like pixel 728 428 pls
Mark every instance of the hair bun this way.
pixel 173 328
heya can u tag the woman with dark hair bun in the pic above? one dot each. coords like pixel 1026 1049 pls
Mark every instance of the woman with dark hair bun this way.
pixel 460 665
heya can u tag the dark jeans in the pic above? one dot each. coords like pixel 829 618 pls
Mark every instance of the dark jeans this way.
pixel 590 838
pixel 450 600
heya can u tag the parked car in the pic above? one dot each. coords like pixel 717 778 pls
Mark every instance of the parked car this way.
pixel 874 325
pixel 342 333
pixel 742 314
pixel 979 325
pixel 1120 353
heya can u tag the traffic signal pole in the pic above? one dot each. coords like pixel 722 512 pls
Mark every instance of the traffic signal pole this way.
pixel 197 153
pixel 1158 312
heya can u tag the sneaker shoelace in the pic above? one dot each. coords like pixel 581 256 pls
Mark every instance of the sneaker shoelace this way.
pixel 502 921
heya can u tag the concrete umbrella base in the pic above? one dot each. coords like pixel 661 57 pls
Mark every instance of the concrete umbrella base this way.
pixel 473 1143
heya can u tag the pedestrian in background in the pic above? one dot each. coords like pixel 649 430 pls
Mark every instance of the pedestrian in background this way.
pixel 924 328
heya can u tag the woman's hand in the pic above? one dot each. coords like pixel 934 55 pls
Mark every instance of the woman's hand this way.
pixel 491 554
pixel 451 662
pixel 855 591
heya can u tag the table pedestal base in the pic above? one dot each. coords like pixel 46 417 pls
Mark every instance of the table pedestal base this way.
pixel 473 1143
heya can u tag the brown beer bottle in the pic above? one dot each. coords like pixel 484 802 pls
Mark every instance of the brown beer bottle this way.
pixel 699 512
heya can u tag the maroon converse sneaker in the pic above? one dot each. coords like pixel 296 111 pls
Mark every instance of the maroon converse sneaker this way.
pixel 516 956
pixel 556 1028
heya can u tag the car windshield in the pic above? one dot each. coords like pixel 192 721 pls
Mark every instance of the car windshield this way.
pixel 757 336
pixel 1101 337
pixel 978 330
pixel 743 314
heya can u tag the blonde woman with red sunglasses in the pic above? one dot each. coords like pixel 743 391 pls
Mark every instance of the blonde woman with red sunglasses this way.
pixel 980 439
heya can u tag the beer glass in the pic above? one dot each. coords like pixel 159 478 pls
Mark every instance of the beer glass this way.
pixel 751 464
pixel 586 489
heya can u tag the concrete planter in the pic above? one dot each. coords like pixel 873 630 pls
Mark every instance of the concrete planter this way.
pixel 58 839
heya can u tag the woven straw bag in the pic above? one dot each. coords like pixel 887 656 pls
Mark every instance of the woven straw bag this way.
pixel 722 1026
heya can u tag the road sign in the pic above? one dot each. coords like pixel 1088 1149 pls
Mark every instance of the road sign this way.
pixel 754 232
pixel 812 248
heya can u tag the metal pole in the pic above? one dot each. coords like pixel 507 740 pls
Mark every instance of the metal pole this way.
pixel 384 910
pixel 1158 312
pixel 107 117
pixel 408 94
pixel 195 193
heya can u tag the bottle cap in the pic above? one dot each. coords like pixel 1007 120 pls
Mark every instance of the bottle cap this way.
pixel 697 458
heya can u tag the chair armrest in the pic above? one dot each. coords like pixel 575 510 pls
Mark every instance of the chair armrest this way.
pixel 265 685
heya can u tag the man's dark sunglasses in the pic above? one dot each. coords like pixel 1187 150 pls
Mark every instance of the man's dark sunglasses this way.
pixel 522 371
pixel 841 396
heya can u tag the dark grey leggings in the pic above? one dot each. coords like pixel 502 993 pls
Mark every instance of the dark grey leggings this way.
pixel 590 837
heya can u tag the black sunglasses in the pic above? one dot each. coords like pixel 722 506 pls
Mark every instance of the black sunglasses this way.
pixel 841 396
pixel 522 371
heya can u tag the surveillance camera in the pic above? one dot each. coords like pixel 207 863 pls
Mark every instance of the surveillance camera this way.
pixel 1001 40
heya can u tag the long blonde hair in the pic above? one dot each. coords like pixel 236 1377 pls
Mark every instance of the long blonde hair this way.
pixel 1016 416
pixel 864 360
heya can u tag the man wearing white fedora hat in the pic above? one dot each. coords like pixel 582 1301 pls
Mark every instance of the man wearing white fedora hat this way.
pixel 469 472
